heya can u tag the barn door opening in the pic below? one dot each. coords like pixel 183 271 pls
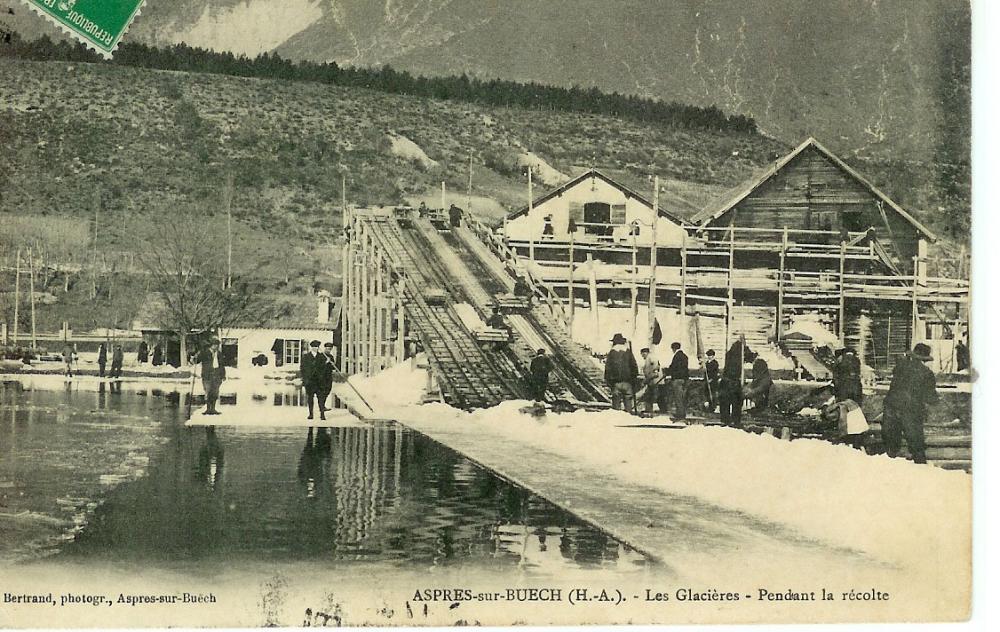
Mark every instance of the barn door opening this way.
pixel 597 217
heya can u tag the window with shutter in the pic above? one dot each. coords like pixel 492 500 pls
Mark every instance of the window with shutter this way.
pixel 618 214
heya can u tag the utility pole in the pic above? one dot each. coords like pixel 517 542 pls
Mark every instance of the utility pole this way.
pixel 17 292
pixel 31 287
pixel 93 248
pixel 443 207
pixel 470 183
pixel 652 259
pixel 228 202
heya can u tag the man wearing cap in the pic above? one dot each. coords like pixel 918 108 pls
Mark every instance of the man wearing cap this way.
pixel 904 411
pixel 711 380
pixel 213 373
pixel 313 372
pixel 679 374
pixel 620 371
pixel 329 369
pixel 541 366
pixel 650 379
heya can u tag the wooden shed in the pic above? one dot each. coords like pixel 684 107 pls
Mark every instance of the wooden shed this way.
pixel 812 191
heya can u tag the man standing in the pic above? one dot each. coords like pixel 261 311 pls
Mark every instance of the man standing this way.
pixel 904 412
pixel 212 375
pixel 711 380
pixel 117 360
pixel 311 368
pixel 847 376
pixel 102 359
pixel 328 368
pixel 620 370
pixel 650 379
pixel 731 386
pixel 541 366
pixel 678 373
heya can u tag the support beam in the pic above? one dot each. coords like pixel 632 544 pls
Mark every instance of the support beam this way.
pixel 653 256
pixel 17 293
pixel 683 275
pixel 572 265
pixel 779 321
pixel 840 286
pixel 31 297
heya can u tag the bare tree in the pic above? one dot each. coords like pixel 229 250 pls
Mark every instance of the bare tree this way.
pixel 185 255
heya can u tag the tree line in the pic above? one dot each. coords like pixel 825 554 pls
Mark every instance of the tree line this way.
pixel 491 92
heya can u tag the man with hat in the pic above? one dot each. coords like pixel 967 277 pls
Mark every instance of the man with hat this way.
pixel 312 368
pixel 329 370
pixel 620 371
pixel 904 411
pixel 678 374
pixel 651 379
pixel 213 373
pixel 847 376
pixel 541 366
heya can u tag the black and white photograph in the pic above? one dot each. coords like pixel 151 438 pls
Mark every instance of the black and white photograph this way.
pixel 404 313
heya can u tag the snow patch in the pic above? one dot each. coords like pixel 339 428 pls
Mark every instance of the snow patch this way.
pixel 250 27
pixel 811 325
pixel 541 171
pixel 405 148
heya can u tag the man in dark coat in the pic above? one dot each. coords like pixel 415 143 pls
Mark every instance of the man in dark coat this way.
pixel 620 372
pixel 538 378
pixel 904 411
pixel 962 356
pixel 455 216
pixel 329 368
pixel 313 371
pixel 847 376
pixel 142 355
pixel 678 374
pixel 213 373
pixel 711 380
pixel 102 359
pixel 731 386
pixel 117 360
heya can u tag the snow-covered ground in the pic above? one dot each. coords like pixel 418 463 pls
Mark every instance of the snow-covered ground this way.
pixel 911 516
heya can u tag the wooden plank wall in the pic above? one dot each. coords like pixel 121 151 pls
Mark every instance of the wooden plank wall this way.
pixel 813 193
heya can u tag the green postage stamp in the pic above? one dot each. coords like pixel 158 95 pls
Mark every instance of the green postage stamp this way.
pixel 100 24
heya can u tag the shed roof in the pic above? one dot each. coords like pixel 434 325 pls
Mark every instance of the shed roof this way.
pixel 596 174
pixel 736 195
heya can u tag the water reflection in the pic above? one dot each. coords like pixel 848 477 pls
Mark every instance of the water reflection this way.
pixel 215 495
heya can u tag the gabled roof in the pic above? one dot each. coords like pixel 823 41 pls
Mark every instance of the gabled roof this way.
pixel 595 174
pixel 734 196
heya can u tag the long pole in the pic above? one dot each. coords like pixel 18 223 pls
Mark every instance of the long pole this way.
pixel 572 300
pixel 442 197
pixel 653 257
pixel 17 292
pixel 841 329
pixel 31 287
pixel 530 196
pixel 470 183
pixel 228 197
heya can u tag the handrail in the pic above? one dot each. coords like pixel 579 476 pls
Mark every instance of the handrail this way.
pixel 538 287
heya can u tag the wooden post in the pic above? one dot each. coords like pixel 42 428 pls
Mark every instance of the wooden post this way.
pixel 363 312
pixel 840 323
pixel 443 204
pixel 400 322
pixel 635 282
pixel 377 320
pixel 651 301
pixel 17 292
pixel 684 260
pixel 779 323
pixel 572 300
pixel 93 247
pixel 228 203
pixel 593 284
pixel 531 200
pixel 469 211
pixel 3 333
pixel 913 306
pixel 531 248
pixel 729 285
pixel 31 294
pixel 345 298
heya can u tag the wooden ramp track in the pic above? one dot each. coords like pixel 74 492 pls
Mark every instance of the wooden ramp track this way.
pixel 469 375
pixel 576 373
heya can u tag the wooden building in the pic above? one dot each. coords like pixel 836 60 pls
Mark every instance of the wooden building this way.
pixel 806 236
pixel 811 189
